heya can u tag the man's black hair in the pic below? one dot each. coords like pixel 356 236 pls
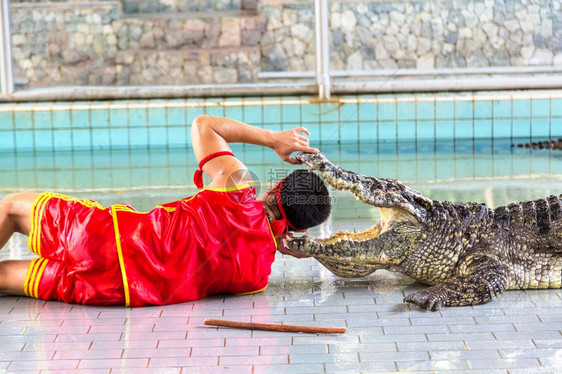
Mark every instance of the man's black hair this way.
pixel 305 199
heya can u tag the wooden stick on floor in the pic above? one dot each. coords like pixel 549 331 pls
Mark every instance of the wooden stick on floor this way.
pixel 272 327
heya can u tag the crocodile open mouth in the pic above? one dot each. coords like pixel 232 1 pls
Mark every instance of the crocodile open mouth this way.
pixel 351 254
pixel 387 216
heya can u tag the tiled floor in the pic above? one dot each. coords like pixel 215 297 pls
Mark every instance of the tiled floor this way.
pixel 518 333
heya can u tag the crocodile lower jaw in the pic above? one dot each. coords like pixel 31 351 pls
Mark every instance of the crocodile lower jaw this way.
pixel 340 236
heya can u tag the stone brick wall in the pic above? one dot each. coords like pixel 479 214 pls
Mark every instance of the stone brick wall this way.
pixel 446 34
pixel 96 44
pixel 174 42
pixel 57 45
pixel 288 43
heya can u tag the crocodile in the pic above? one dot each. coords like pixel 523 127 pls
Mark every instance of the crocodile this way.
pixel 466 252
pixel 543 144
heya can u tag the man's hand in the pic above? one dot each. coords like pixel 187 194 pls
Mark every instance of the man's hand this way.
pixel 289 141
pixel 282 248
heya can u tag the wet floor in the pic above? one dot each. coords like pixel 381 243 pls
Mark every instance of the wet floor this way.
pixel 518 332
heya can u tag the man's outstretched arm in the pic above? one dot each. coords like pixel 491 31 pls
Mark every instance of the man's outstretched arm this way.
pixel 213 134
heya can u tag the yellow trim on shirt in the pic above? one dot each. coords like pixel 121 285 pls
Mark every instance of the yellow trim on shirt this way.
pixel 228 189
pixel 120 256
pixel 87 203
pixel 124 208
pixel 169 209
pixel 271 232
pixel 251 292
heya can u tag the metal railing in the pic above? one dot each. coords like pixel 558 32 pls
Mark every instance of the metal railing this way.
pixel 6 71
pixel 322 49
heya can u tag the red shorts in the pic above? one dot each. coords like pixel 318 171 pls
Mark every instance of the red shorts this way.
pixel 78 261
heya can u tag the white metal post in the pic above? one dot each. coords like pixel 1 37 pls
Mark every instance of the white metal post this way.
pixel 322 49
pixel 6 71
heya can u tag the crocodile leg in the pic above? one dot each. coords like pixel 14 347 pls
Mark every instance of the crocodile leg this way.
pixel 480 279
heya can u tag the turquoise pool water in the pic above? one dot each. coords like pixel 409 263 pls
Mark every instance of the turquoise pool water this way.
pixel 411 162
pixel 74 126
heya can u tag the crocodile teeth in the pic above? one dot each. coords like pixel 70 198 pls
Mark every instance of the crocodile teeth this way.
pixel 383 257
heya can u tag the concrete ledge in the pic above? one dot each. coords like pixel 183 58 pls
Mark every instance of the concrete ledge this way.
pixel 67 4
pixel 285 88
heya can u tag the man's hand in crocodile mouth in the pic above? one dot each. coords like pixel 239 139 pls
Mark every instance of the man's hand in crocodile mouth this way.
pixel 283 248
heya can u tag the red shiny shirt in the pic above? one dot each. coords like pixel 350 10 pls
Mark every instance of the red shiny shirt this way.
pixel 217 241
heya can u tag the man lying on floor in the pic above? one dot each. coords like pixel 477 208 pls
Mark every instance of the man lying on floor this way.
pixel 221 240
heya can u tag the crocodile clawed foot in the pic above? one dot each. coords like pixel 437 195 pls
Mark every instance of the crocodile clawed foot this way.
pixel 427 299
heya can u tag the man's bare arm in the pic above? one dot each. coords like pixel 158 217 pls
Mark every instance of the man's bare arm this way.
pixel 213 134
